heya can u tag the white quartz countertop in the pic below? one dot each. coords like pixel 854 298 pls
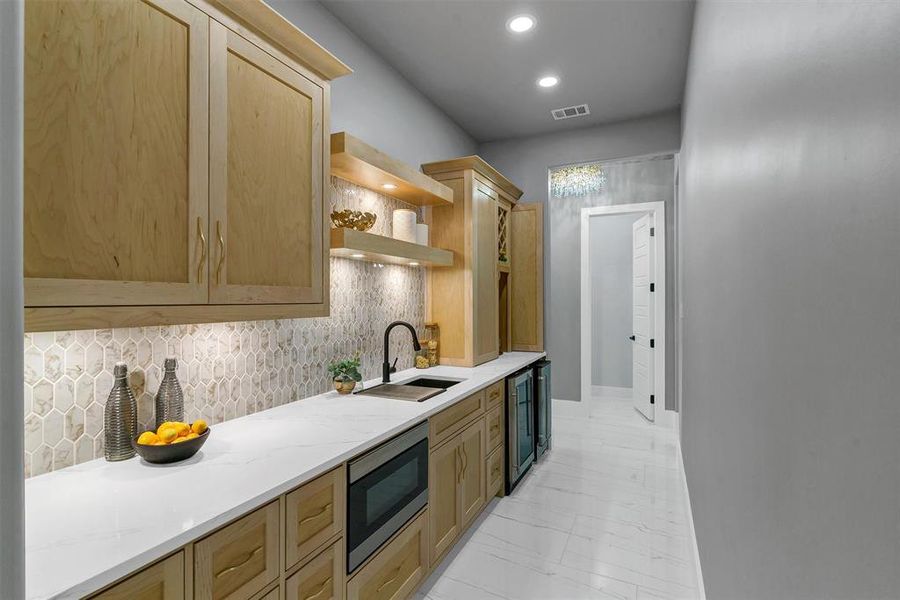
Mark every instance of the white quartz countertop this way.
pixel 91 524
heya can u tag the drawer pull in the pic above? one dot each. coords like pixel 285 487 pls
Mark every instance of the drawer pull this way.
pixel 321 589
pixel 394 574
pixel 321 512
pixel 231 569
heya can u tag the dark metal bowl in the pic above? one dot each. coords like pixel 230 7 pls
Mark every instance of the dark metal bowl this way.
pixel 171 452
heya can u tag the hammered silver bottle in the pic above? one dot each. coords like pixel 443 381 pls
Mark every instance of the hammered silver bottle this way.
pixel 170 397
pixel 120 417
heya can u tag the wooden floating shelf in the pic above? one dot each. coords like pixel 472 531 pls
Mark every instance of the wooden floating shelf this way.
pixel 354 160
pixel 361 245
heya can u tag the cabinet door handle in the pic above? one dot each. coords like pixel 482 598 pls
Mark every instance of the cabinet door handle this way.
pixel 458 465
pixel 319 591
pixel 465 459
pixel 394 574
pixel 202 249
pixel 233 568
pixel 221 252
pixel 321 512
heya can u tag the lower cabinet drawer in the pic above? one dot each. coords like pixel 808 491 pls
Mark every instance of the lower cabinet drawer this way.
pixel 162 581
pixel 240 559
pixel 397 569
pixel 449 421
pixel 322 578
pixel 494 394
pixel 493 471
pixel 494 421
pixel 313 514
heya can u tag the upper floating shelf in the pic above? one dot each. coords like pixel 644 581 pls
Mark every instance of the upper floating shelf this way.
pixel 361 245
pixel 354 160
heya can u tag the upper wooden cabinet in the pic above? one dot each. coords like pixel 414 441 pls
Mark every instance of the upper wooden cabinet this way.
pixel 465 299
pixel 266 184
pixel 115 152
pixel 176 162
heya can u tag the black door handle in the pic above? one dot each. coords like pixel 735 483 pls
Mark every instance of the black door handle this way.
pixel 631 337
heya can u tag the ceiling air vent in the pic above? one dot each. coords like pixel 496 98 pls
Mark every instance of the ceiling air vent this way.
pixel 570 111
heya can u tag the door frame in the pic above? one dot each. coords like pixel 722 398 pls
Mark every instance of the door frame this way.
pixel 658 211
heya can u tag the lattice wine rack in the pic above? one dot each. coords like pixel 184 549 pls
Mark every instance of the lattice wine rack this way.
pixel 502 237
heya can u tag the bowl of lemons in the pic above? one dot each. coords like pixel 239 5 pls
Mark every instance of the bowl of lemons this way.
pixel 172 441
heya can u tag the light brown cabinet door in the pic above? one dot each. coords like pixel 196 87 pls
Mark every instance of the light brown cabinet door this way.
pixel 527 277
pixel 472 481
pixel 240 559
pixel 115 153
pixel 322 578
pixel 266 177
pixel 444 511
pixel 162 581
pixel 398 568
pixel 486 319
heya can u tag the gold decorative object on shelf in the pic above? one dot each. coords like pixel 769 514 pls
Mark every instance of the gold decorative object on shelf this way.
pixel 353 219
pixel 432 339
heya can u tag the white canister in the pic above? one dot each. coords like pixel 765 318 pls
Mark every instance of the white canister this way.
pixel 422 234
pixel 404 226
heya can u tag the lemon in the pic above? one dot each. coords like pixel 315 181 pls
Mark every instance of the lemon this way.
pixel 199 426
pixel 148 438
pixel 167 434
pixel 182 429
pixel 191 436
pixel 181 439
pixel 162 426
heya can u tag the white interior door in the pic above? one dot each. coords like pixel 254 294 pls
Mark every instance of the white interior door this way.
pixel 642 310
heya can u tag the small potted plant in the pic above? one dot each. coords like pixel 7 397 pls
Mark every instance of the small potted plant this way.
pixel 345 374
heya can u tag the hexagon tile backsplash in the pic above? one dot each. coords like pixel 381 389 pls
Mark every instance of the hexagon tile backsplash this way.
pixel 227 370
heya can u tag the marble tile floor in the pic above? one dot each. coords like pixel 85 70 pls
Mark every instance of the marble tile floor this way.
pixel 602 516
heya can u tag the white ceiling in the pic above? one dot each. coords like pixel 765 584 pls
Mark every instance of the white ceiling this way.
pixel 625 58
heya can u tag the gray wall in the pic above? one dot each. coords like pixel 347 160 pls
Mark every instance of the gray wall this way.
pixel 611 293
pixel 12 522
pixel 526 162
pixel 375 103
pixel 790 207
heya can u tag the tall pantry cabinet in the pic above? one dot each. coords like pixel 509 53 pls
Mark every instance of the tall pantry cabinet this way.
pixel 473 300
pixel 176 163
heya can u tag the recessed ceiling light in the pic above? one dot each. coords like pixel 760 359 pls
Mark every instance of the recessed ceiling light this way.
pixel 389 186
pixel 520 23
pixel 548 81
pixel 357 256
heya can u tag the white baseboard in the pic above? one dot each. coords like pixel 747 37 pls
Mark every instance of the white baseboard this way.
pixel 609 391
pixel 690 512
pixel 667 419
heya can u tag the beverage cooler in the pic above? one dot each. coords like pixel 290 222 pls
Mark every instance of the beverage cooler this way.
pixel 542 408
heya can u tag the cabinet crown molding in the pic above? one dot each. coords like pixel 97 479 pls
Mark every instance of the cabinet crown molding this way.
pixel 480 166
pixel 263 20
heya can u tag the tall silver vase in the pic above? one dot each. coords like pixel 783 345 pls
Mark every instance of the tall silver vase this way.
pixel 120 417
pixel 170 397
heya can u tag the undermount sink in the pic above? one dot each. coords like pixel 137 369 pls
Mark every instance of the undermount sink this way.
pixel 432 382
pixel 413 390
